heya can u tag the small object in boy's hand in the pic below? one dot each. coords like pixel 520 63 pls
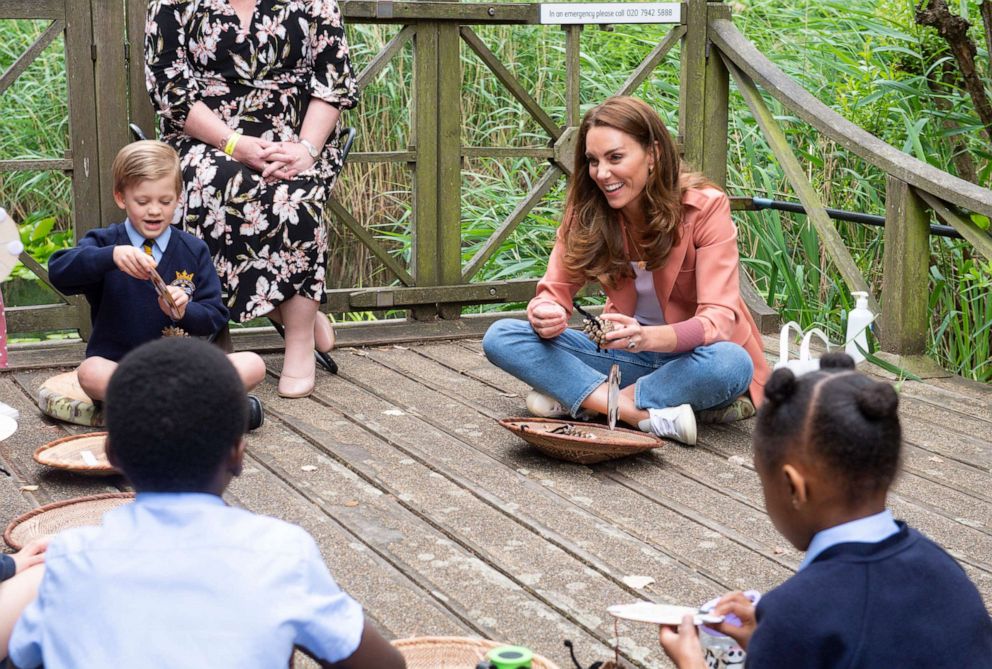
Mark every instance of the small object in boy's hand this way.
pixel 661 614
pixel 594 327
pixel 174 331
pixel 163 293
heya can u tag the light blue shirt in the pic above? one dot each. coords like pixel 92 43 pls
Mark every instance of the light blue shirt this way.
pixel 159 244
pixel 867 530
pixel 182 580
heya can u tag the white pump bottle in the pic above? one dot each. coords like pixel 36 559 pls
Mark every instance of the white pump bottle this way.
pixel 858 321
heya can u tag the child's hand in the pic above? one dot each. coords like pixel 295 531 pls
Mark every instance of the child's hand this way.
pixel 133 261
pixel 33 553
pixel 681 644
pixel 738 604
pixel 181 299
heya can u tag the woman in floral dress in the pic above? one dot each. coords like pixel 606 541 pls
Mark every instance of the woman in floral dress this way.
pixel 250 94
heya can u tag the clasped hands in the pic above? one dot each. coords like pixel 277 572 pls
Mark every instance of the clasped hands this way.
pixel 549 320
pixel 275 160
pixel 136 263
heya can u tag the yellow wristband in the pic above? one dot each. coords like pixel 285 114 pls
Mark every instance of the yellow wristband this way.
pixel 232 142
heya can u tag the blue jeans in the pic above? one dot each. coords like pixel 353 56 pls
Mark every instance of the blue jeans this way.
pixel 569 368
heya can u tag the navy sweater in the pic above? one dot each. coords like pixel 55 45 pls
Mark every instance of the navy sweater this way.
pixel 124 311
pixel 902 602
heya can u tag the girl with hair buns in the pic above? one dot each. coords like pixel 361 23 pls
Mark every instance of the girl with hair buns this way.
pixel 660 241
pixel 870 592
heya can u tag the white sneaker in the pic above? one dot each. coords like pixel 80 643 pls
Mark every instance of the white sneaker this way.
pixel 678 423
pixel 7 410
pixel 544 406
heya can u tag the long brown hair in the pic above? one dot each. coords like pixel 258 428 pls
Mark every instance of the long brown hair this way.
pixel 594 245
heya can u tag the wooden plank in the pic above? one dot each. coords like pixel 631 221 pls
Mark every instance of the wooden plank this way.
pixel 367 240
pixel 62 165
pixel 573 83
pixel 18 66
pixel 83 139
pixel 651 61
pixel 33 9
pixel 370 11
pixel 449 166
pixel 905 318
pixel 516 290
pixel 140 107
pixel 611 502
pixel 399 605
pixel 692 84
pixel 35 430
pixel 507 152
pixel 394 46
pixel 510 82
pixel 766 318
pixel 110 78
pixel 978 238
pixel 733 45
pixel 424 251
pixel 816 212
pixel 716 107
pixel 506 228
pixel 382 157
pixel 42 318
pixel 378 491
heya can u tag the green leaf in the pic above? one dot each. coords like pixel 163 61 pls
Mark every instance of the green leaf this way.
pixel 981 221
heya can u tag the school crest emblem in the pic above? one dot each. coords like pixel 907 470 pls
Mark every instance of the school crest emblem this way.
pixel 184 280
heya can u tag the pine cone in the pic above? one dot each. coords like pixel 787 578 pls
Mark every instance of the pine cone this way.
pixel 174 331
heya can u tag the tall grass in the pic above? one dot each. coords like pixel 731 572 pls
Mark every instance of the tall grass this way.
pixel 864 58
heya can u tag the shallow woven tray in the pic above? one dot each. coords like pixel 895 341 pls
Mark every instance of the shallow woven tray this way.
pixel 452 652
pixel 58 516
pixel 61 398
pixel 607 444
pixel 68 453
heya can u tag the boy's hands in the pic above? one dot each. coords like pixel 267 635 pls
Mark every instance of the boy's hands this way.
pixel 681 644
pixel 133 261
pixel 181 299
pixel 33 553
pixel 738 604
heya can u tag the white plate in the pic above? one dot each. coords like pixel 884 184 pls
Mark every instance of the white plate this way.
pixel 661 614
pixel 8 426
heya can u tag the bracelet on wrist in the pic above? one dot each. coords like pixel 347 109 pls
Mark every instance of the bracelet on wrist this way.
pixel 311 149
pixel 232 141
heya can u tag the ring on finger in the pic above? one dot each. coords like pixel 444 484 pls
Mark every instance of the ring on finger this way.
pixel 631 344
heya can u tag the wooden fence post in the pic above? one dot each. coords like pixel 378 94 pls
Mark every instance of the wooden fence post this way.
pixel 424 249
pixel 111 95
pixel 449 166
pixel 905 318
pixel 139 104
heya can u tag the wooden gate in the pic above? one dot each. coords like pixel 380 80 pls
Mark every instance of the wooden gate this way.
pixel 96 49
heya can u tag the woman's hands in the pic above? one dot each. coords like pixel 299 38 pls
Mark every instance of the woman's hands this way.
pixel 548 319
pixel 286 160
pixel 631 336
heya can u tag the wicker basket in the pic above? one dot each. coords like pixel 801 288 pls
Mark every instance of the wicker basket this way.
pixel 58 516
pixel 80 453
pixel 452 652
pixel 62 398
pixel 605 444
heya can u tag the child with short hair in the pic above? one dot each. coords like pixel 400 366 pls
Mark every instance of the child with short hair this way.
pixel 871 592
pixel 177 578
pixel 111 267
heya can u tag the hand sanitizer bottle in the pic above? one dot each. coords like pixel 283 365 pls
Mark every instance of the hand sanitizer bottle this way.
pixel 858 321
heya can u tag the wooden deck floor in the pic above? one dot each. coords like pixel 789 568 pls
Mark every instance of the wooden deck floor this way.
pixel 441 522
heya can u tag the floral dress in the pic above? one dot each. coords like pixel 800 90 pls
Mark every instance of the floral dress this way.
pixel 267 241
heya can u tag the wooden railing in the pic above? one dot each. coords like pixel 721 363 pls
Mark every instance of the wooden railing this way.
pixel 435 284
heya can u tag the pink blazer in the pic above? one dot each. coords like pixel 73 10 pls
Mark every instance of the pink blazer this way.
pixel 698 286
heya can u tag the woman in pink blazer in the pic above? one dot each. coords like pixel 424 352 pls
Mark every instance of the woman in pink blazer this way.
pixel 661 242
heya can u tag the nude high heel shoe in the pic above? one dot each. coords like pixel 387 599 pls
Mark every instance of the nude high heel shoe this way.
pixel 323 333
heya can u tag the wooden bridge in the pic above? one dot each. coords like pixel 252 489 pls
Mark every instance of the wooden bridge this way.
pixel 426 510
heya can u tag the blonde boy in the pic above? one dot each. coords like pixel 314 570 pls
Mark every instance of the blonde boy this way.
pixel 111 267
